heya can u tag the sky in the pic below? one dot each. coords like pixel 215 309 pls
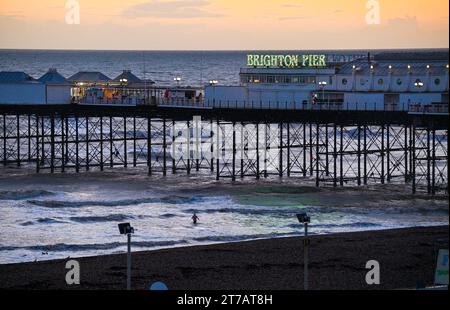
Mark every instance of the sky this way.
pixel 224 24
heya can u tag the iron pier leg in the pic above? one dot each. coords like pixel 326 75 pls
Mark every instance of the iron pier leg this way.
pixel 111 143
pixel 164 147
pixel 18 139
pixel 433 175
pixel 359 155
pixel 280 168
pixel 218 148
pixel 341 159
pixel 174 164
pixel 311 157
pixel 77 141
pixel 288 159
pixel 125 147
pixel 334 155
pixel 428 160
pixel 52 143
pixel 149 145
pixel 388 153
pixel 101 144
pixel 382 153
pixel 317 154
pixel 87 143
pixel 365 154
pixel 257 151
pixel 304 150
pixel 233 175
pixel 413 162
pixel 188 124
pixel 37 145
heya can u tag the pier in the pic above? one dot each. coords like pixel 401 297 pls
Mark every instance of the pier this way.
pixel 330 147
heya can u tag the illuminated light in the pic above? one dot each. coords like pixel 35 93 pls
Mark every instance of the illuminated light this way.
pixel 371 67
pixel 409 66
pixel 446 66
pixel 390 66
pixel 354 67
pixel 428 66
pixel 286 61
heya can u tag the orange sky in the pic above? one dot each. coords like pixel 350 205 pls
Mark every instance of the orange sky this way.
pixel 223 24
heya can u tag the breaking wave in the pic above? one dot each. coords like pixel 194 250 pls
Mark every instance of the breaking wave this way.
pixel 24 194
pixel 104 203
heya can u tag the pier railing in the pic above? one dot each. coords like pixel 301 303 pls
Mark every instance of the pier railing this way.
pixel 416 108
pixel 435 108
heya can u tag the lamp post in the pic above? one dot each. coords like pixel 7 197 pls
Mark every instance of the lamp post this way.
pixel 126 229
pixel 304 219
pixel 322 85
pixel 177 80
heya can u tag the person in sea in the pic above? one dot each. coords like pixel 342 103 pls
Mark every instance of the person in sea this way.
pixel 195 219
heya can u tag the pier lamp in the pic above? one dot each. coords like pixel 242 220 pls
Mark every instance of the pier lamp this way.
pixel 126 229
pixel 304 219
pixel 177 80
pixel 418 83
pixel 322 85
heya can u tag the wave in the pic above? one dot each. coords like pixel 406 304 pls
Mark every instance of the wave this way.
pixel 346 225
pixel 63 247
pixel 42 221
pixel 112 203
pixel 97 219
pixel 244 237
pixel 24 194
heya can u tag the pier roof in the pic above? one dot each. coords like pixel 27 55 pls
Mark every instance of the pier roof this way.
pixel 54 78
pixel 16 77
pixel 127 75
pixel 89 77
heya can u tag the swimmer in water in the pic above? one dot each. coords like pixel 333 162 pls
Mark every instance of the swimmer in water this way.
pixel 195 219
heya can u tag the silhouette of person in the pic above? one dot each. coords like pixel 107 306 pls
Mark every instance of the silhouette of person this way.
pixel 195 218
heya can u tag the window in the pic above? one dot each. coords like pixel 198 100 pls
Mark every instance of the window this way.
pixel 344 81
pixel 363 81
pixel 399 82
pixel 437 81
pixel 380 82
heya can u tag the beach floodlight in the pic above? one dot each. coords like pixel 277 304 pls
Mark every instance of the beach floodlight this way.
pixel 303 218
pixel 125 229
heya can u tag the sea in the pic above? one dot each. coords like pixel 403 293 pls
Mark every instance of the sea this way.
pixel 45 217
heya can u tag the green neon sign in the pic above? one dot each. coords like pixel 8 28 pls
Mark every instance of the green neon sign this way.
pixel 286 61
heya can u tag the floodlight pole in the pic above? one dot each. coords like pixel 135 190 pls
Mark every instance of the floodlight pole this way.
pixel 129 262
pixel 305 257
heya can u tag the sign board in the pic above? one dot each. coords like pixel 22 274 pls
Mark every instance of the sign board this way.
pixel 298 60
pixel 441 276
pixel 286 61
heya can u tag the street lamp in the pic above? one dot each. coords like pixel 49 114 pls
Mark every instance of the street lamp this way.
pixel 126 229
pixel 304 219
pixel 177 80
pixel 418 84
pixel 322 85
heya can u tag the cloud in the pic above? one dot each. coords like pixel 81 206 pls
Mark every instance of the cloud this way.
pixel 171 9
pixel 404 23
pixel 292 18
pixel 292 6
